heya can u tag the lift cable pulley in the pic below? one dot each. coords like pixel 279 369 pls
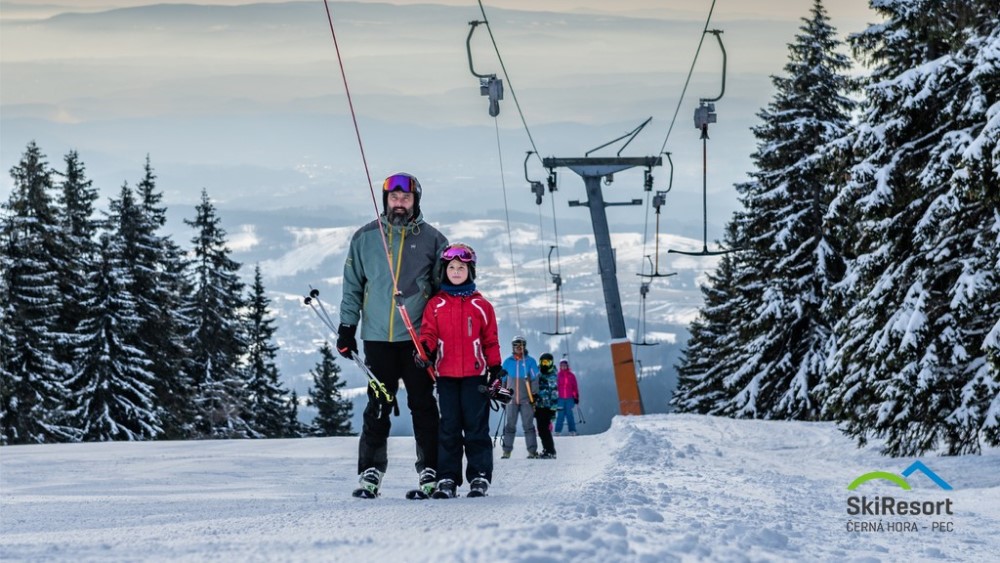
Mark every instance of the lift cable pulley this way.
pixel 489 84
pixel 658 201
pixel 557 280
pixel 643 292
pixel 703 115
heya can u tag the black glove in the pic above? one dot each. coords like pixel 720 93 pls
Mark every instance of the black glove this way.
pixel 347 345
pixel 496 373
pixel 576 400
pixel 424 364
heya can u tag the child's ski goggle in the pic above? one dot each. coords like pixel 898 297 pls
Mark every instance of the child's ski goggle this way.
pixel 458 252
pixel 546 362
pixel 401 182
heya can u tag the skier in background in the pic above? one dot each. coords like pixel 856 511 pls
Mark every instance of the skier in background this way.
pixel 569 397
pixel 546 404
pixel 522 380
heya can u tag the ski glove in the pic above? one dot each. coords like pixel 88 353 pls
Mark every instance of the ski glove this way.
pixel 424 364
pixel 496 373
pixel 347 345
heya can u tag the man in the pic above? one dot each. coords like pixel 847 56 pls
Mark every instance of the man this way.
pixel 414 249
pixel 522 380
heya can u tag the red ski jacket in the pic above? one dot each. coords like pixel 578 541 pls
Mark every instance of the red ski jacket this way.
pixel 463 332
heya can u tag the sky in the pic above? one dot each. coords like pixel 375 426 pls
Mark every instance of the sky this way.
pixel 656 488
pixel 219 107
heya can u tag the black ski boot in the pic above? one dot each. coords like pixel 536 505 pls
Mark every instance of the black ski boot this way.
pixel 478 487
pixel 428 482
pixel 370 480
pixel 445 489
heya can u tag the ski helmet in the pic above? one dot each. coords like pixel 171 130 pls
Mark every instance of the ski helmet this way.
pixel 459 251
pixel 520 340
pixel 403 182
pixel 545 363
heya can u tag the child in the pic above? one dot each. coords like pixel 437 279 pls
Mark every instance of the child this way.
pixel 546 403
pixel 569 396
pixel 459 333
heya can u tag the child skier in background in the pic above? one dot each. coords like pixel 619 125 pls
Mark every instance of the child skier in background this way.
pixel 459 333
pixel 546 404
pixel 569 396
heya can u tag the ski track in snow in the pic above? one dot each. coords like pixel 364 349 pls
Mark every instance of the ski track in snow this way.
pixel 651 489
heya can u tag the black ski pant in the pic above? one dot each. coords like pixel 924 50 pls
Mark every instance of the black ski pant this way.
pixel 465 425
pixel 543 422
pixel 390 362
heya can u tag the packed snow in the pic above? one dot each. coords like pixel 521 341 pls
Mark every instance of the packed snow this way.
pixel 651 488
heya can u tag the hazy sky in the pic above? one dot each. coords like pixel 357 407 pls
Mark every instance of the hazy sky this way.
pixel 217 108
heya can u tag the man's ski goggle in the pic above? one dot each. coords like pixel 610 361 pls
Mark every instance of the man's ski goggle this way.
pixel 401 182
pixel 458 252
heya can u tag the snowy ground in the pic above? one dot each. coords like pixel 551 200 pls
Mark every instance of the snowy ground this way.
pixel 654 488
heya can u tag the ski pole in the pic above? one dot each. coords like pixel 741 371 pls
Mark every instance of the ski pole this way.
pixel 579 413
pixel 503 415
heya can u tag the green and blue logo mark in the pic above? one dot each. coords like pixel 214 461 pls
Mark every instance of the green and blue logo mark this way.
pixel 899 480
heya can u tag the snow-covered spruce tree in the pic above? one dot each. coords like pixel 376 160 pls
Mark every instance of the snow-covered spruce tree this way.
pixel 712 352
pixel 293 426
pixel 910 362
pixel 32 388
pixel 218 341
pixel 112 392
pixel 159 282
pixel 335 411
pixel 786 263
pixel 268 398
pixel 78 253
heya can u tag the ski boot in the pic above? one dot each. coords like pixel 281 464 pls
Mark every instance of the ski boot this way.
pixel 369 483
pixel 428 482
pixel 445 489
pixel 505 455
pixel 478 487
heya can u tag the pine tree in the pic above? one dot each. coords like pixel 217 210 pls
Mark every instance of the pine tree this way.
pixel 712 352
pixel 218 342
pixel 112 388
pixel 335 411
pixel 32 391
pixel 786 263
pixel 78 253
pixel 293 426
pixel 158 269
pixel 911 358
pixel 268 399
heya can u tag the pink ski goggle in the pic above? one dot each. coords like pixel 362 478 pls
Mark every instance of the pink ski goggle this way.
pixel 458 252
pixel 401 182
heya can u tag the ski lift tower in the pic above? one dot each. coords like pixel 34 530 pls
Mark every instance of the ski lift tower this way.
pixel 593 170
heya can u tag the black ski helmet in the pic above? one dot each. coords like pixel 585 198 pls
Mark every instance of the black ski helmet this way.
pixel 545 363
pixel 404 182
pixel 458 251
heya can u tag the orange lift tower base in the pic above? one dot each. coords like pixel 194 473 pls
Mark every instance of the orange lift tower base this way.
pixel 592 170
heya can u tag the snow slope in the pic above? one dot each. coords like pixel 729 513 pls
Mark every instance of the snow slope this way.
pixel 652 488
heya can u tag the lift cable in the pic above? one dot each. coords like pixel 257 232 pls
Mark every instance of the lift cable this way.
pixel 510 241
pixel 687 81
pixel 510 84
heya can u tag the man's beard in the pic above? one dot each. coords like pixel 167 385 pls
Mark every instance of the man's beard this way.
pixel 399 219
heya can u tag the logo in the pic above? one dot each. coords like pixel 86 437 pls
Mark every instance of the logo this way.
pixel 893 478
pixel 889 506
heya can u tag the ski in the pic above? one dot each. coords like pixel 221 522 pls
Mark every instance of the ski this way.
pixel 417 494
pixel 363 493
